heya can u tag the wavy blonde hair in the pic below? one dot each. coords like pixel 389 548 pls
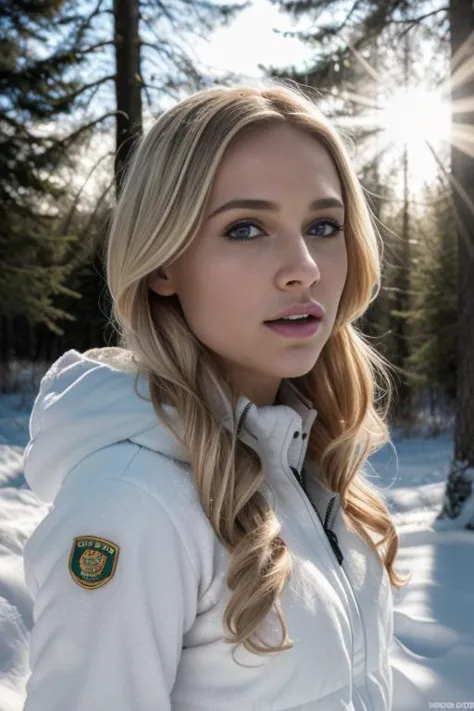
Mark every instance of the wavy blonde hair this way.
pixel 158 214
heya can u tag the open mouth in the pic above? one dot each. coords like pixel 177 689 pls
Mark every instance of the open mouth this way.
pixel 295 321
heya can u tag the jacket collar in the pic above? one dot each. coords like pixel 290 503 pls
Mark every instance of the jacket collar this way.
pixel 279 434
pixel 268 429
pixel 98 398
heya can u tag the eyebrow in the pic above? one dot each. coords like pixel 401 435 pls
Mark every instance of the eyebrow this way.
pixel 254 204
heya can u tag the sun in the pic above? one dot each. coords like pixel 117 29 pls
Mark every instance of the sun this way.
pixel 411 127
pixel 414 124
pixel 414 116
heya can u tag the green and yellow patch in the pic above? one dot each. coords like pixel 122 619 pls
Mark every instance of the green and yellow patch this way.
pixel 92 561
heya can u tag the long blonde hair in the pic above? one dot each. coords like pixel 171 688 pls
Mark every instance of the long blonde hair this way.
pixel 158 214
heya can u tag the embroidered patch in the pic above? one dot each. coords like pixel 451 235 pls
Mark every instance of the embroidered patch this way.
pixel 93 561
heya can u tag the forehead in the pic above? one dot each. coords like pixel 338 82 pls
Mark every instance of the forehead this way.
pixel 276 157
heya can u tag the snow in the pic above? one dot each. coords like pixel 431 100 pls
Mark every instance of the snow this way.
pixel 433 651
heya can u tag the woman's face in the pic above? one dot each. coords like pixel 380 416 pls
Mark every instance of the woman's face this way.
pixel 228 288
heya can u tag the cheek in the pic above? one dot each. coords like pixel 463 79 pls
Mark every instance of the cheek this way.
pixel 210 296
pixel 340 266
pixel 333 267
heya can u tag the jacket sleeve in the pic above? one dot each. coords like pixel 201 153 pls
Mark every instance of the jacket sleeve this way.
pixel 117 643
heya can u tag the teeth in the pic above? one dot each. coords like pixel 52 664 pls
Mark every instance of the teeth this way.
pixel 293 318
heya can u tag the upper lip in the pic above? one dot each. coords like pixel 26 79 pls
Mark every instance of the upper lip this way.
pixel 310 307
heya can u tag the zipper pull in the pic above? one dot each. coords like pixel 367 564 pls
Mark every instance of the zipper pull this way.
pixel 334 544
pixel 298 477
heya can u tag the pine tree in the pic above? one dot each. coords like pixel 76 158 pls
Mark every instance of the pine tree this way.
pixel 52 80
pixel 33 257
pixel 434 315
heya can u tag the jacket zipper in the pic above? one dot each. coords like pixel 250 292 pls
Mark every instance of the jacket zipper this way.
pixel 331 536
pixel 345 582
pixel 243 416
pixel 334 543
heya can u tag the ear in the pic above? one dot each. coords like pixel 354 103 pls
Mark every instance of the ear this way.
pixel 160 282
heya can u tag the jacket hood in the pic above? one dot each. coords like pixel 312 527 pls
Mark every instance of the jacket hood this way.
pixel 87 401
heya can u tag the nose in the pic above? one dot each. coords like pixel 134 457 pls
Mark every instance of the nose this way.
pixel 300 264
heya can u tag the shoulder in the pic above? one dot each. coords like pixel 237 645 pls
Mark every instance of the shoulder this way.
pixel 132 496
pixel 167 484
pixel 127 465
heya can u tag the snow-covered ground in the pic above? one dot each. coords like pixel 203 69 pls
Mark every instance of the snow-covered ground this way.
pixel 433 651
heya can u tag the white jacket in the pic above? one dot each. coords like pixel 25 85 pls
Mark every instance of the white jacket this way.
pixel 129 580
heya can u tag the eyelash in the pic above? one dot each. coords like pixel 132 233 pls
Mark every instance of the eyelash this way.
pixel 243 223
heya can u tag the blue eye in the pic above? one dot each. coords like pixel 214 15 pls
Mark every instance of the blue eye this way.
pixel 243 225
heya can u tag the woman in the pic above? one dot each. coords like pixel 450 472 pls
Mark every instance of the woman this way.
pixel 214 543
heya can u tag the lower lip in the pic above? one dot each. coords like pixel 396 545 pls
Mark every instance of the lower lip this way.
pixel 295 330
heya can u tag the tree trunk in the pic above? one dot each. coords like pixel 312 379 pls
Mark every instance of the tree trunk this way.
pixel 459 485
pixel 6 352
pixel 403 408
pixel 127 83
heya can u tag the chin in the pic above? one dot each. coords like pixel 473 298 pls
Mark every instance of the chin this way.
pixel 297 371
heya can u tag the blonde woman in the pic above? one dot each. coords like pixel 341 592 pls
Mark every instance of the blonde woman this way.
pixel 214 543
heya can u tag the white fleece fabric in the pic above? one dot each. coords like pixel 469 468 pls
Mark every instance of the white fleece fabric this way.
pixel 151 636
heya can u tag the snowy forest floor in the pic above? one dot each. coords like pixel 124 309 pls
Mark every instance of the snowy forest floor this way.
pixel 433 651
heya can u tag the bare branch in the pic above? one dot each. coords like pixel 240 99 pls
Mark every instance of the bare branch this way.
pixel 349 15
pixel 165 12
pixel 173 54
pixel 20 127
pixel 91 96
pixel 102 196
pixel 85 87
pixel 417 20
pixel 64 227
pixel 93 47
pixel 87 20
pixel 64 142
pixel 145 89
pixel 161 40
pixel 164 89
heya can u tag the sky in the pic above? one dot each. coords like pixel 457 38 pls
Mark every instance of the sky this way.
pixel 251 40
pixel 254 39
